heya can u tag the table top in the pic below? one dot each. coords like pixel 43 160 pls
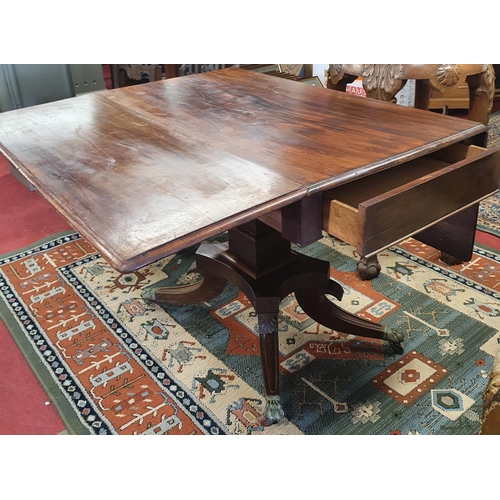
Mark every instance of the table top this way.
pixel 145 171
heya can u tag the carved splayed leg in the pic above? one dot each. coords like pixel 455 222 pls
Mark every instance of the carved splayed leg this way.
pixel 315 303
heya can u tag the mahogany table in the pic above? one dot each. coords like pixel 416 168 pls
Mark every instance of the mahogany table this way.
pixel 145 171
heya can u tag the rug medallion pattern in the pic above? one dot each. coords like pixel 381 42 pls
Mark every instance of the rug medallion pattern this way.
pixel 126 365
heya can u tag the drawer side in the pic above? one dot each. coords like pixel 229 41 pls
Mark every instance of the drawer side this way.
pixel 343 221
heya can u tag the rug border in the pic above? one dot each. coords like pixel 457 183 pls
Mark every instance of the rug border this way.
pixel 64 409
pixel 487 248
pixel 488 230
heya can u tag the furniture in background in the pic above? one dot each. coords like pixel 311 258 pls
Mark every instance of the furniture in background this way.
pixel 454 98
pixel 297 72
pixel 171 70
pixel 383 82
pixel 457 98
pixel 496 68
pixel 125 75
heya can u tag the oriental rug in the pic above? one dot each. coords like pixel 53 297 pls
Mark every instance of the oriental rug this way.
pixel 115 362
pixel 489 209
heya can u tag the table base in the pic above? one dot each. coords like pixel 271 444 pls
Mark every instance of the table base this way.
pixel 261 263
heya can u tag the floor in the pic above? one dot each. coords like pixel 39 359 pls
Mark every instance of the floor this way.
pixel 29 218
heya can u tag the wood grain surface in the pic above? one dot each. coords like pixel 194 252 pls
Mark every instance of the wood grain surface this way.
pixel 145 171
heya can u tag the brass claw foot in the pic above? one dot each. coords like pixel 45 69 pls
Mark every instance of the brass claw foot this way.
pixel 273 412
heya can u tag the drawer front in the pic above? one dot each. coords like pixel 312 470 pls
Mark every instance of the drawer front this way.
pixel 387 218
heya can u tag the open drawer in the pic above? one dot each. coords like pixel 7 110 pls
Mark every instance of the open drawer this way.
pixel 379 210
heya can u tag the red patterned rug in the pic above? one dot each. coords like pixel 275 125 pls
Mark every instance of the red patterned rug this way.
pixel 114 362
